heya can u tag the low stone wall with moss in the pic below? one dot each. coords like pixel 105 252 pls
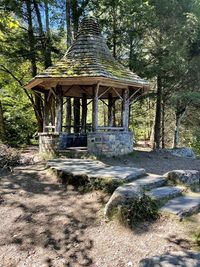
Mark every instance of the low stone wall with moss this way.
pixel 110 143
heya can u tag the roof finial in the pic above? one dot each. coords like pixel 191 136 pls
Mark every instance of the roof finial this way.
pixel 89 26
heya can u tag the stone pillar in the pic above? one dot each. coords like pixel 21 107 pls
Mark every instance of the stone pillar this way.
pixel 59 109
pixel 95 108
pixel 125 111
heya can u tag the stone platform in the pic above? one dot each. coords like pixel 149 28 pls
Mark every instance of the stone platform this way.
pixel 128 182
pixel 95 169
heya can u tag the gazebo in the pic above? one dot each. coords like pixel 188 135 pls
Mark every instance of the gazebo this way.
pixel 88 74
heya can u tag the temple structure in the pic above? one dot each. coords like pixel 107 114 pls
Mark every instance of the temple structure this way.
pixel 89 75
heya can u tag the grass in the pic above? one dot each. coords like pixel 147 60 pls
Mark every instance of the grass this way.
pixel 137 210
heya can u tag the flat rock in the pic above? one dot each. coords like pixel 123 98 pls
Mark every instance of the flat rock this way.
pixel 184 205
pixel 183 152
pixel 149 181
pixel 165 192
pixel 178 258
pixel 95 169
pixel 121 195
pixel 190 178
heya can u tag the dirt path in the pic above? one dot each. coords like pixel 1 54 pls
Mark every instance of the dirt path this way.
pixel 42 224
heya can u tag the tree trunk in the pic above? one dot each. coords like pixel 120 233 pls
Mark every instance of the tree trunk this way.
pixel 163 125
pixel 40 27
pixel 75 16
pixel 2 125
pixel 179 116
pixel 114 39
pixel 157 129
pixel 68 23
pixel 48 61
pixel 31 38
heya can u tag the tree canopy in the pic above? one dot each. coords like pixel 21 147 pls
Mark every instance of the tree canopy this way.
pixel 157 39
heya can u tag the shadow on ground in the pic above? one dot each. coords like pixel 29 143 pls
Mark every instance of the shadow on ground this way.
pixel 46 219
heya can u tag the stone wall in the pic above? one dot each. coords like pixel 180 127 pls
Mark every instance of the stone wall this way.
pixel 110 143
pixel 48 142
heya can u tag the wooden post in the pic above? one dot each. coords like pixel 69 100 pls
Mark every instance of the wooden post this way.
pixel 46 112
pixel 110 110
pixel 95 108
pixel 68 114
pixel 84 113
pixel 125 112
pixel 114 112
pixel 76 115
pixel 59 109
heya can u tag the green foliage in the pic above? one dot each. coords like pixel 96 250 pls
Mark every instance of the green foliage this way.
pixel 9 157
pixel 197 239
pixel 138 210
pixel 151 37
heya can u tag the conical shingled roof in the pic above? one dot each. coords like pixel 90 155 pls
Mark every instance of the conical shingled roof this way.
pixel 89 56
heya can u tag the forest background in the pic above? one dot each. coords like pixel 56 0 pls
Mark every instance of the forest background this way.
pixel 157 39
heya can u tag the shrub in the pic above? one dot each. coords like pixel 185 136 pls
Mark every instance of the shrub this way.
pixel 138 210
pixel 9 157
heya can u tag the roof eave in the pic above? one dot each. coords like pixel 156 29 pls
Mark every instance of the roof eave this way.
pixel 95 79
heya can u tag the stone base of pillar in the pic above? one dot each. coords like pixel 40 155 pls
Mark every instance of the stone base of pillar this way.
pixel 110 143
pixel 48 142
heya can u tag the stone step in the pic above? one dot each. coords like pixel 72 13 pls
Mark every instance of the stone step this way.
pixel 165 192
pixel 149 182
pixel 184 205
pixel 95 169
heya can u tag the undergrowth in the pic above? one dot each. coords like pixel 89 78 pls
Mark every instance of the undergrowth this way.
pixel 9 157
pixel 138 210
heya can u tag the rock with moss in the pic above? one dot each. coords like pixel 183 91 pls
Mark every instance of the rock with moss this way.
pixel 121 196
pixel 189 178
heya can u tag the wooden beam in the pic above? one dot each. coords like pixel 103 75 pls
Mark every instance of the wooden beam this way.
pixel 118 93
pixel 104 92
pixel 95 108
pixel 125 111
pixel 130 98
pixel 59 109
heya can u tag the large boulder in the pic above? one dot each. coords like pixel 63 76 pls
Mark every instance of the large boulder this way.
pixel 189 178
pixel 121 196
pixel 183 152
pixel 179 258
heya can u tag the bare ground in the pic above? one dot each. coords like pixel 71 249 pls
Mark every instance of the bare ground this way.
pixel 43 224
pixel 158 162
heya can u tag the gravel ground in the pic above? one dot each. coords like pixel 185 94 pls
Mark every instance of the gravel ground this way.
pixel 158 162
pixel 42 224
